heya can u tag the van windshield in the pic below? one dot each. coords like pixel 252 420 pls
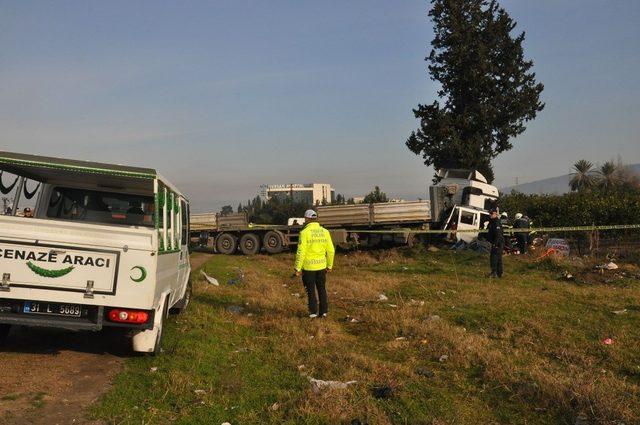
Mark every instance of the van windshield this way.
pixel 101 207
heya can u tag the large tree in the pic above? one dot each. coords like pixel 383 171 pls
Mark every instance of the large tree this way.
pixel 487 90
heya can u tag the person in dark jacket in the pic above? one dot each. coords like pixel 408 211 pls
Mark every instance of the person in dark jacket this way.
pixel 496 238
pixel 522 222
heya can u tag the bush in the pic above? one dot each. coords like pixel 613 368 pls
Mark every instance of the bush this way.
pixel 599 207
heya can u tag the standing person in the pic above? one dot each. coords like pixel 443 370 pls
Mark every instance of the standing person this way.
pixel 522 237
pixel 314 259
pixel 496 238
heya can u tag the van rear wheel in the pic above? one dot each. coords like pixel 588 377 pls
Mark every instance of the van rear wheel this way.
pixel 227 243
pixel 250 244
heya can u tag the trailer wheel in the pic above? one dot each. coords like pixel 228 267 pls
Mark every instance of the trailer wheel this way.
pixel 227 243
pixel 250 244
pixel 4 332
pixel 273 242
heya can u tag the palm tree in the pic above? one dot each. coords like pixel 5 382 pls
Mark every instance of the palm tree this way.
pixel 608 175
pixel 582 178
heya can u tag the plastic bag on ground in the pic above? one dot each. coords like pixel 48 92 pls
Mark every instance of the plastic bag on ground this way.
pixel 211 280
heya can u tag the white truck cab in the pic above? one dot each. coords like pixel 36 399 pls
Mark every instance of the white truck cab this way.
pixel 461 200
pixel 103 245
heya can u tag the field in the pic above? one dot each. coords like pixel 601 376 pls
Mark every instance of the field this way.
pixel 448 346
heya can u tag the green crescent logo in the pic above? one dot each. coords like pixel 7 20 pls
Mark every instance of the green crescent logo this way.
pixel 48 273
pixel 143 274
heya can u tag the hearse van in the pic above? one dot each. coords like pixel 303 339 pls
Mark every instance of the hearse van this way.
pixel 86 245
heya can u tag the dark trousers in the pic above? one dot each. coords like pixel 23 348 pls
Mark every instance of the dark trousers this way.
pixel 522 242
pixel 496 259
pixel 315 282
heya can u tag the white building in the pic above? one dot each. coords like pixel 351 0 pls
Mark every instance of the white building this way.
pixel 311 193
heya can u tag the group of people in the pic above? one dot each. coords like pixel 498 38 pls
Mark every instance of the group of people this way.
pixel 496 237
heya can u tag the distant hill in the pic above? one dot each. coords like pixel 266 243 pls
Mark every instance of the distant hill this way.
pixel 554 185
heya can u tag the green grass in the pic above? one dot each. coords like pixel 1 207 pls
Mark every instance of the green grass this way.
pixel 523 349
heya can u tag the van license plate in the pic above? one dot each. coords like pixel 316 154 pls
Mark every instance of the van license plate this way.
pixel 55 309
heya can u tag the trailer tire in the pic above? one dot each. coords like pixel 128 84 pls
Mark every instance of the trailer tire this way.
pixel 250 244
pixel 4 332
pixel 273 242
pixel 227 244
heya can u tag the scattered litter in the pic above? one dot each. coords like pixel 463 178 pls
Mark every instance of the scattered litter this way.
pixel 238 279
pixel 249 314
pixel 211 280
pixel 401 338
pixel 318 385
pixel 433 318
pixel 382 297
pixel 241 350
pixel 405 268
pixel 351 319
pixel 442 293
pixel 623 311
pixel 611 266
pixel 382 391
pixel 199 392
pixel 226 423
pixel 275 406
pixel 607 341
pixel 237 309
pixel 295 294
pixel 443 358
pixel 153 369
pixel 567 276
pixel 424 342
pixel 432 248
pixel 416 302
pixel 392 305
pixel 425 372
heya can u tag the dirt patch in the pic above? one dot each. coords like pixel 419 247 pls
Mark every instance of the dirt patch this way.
pixel 51 376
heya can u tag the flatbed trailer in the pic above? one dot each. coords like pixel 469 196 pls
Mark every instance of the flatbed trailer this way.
pixel 348 224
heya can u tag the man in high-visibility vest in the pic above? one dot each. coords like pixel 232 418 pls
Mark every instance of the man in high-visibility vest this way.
pixel 314 259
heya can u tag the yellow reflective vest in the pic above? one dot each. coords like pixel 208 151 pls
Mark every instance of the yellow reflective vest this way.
pixel 315 248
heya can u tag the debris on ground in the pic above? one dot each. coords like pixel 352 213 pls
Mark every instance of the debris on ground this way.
pixel 425 372
pixel 567 276
pixel 608 266
pixel 382 297
pixel 401 338
pixel 295 294
pixel 480 246
pixel 416 302
pixel 237 309
pixel 211 280
pixel 382 391
pixel 623 311
pixel 607 341
pixel 238 279
pixel 318 385
pixel 443 358
pixel 351 319
pixel 392 305
pixel 200 392
pixel 432 248
pixel 153 369
pixel 275 406
pixel 433 318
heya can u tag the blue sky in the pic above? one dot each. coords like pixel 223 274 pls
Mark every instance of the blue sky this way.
pixel 224 96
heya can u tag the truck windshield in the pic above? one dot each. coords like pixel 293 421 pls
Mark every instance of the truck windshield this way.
pixel 101 207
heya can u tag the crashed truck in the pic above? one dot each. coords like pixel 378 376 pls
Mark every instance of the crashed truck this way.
pixel 107 246
pixel 459 201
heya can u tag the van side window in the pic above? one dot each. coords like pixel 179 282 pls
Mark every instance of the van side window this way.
pixel 185 222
